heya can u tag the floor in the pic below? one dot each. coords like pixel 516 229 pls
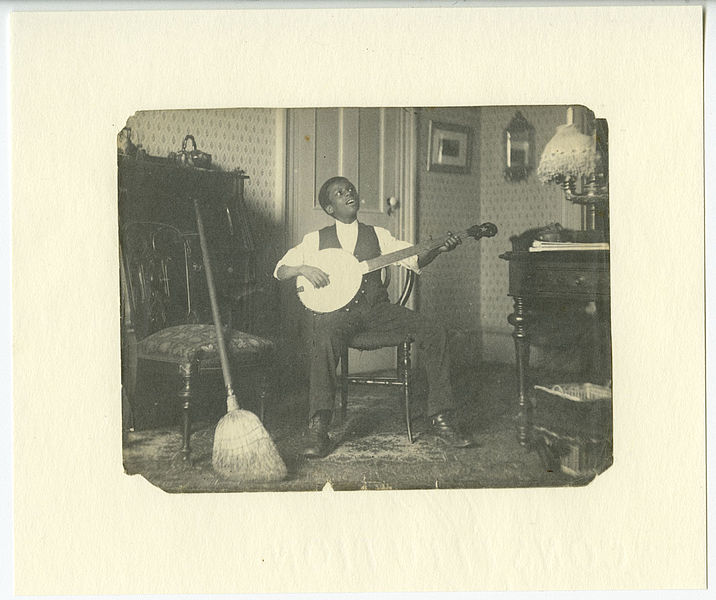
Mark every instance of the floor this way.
pixel 370 451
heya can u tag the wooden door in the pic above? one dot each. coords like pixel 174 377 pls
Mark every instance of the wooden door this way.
pixel 375 149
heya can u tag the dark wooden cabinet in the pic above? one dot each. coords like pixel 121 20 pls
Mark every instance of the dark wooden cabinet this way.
pixel 157 191
pixel 579 275
pixel 565 277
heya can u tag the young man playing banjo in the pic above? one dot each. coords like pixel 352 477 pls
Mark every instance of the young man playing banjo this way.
pixel 369 310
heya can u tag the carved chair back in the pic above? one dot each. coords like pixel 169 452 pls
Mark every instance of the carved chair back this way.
pixel 160 276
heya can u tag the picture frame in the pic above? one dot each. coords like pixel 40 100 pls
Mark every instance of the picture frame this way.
pixel 449 147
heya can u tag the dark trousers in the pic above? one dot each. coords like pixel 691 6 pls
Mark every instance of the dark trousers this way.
pixel 332 331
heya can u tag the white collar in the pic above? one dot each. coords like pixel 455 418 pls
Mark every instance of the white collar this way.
pixel 346 226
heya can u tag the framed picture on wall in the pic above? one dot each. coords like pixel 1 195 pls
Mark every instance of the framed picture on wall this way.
pixel 449 147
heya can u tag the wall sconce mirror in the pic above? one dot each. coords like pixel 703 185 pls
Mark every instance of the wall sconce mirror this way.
pixel 519 148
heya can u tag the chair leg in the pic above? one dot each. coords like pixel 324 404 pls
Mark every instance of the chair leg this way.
pixel 262 391
pixel 404 365
pixel 186 372
pixel 344 385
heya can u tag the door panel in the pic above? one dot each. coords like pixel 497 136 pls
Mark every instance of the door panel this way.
pixel 369 163
pixel 327 148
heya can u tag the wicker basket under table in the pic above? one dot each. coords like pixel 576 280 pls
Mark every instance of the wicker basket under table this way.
pixel 572 427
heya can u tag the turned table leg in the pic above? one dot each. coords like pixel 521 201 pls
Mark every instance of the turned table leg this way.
pixel 518 320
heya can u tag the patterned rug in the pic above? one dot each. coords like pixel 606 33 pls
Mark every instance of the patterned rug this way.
pixel 370 451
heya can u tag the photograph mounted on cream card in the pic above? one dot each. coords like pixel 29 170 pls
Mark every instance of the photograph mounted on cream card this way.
pixel 70 488
pixel 283 325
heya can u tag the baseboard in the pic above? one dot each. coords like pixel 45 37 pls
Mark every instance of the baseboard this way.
pixel 498 345
pixel 465 347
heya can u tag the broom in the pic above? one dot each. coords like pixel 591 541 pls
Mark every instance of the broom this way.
pixel 243 450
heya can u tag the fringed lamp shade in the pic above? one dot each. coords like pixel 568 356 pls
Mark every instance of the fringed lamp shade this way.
pixel 572 160
pixel 569 155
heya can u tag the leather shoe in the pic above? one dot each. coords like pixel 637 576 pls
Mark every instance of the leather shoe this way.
pixel 446 432
pixel 318 443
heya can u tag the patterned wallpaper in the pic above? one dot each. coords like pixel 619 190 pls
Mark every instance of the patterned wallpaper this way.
pixel 236 138
pixel 468 290
pixel 513 207
pixel 449 289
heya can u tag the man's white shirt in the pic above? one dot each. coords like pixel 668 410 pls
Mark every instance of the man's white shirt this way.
pixel 347 237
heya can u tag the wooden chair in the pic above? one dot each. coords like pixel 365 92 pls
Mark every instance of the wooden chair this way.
pixel 374 340
pixel 163 290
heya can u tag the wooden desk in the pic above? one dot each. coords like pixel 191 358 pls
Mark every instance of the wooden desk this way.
pixel 564 275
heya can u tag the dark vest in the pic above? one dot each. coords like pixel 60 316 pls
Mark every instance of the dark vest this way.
pixel 367 247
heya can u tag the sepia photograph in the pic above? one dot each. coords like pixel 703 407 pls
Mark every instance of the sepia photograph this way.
pixel 357 300
pixel 306 301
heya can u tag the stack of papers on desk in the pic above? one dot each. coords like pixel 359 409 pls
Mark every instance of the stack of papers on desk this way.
pixel 538 246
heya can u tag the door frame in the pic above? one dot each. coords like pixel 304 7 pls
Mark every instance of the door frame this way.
pixel 407 165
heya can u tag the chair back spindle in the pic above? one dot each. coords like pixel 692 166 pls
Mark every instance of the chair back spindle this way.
pixel 406 290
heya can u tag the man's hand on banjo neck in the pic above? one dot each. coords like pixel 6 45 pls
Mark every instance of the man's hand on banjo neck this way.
pixel 451 242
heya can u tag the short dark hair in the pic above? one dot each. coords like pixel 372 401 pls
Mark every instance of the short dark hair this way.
pixel 323 192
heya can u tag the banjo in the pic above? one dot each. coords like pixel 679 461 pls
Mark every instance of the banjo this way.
pixel 346 272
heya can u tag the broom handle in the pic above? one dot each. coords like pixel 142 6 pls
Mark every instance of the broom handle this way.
pixel 214 307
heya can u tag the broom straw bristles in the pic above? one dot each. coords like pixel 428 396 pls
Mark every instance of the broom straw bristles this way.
pixel 244 451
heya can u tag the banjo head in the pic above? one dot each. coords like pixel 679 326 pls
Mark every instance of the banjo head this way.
pixel 345 276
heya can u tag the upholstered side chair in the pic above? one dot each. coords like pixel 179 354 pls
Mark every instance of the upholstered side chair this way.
pixel 162 282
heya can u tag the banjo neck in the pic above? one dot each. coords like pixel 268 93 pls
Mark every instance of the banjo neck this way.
pixel 385 260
